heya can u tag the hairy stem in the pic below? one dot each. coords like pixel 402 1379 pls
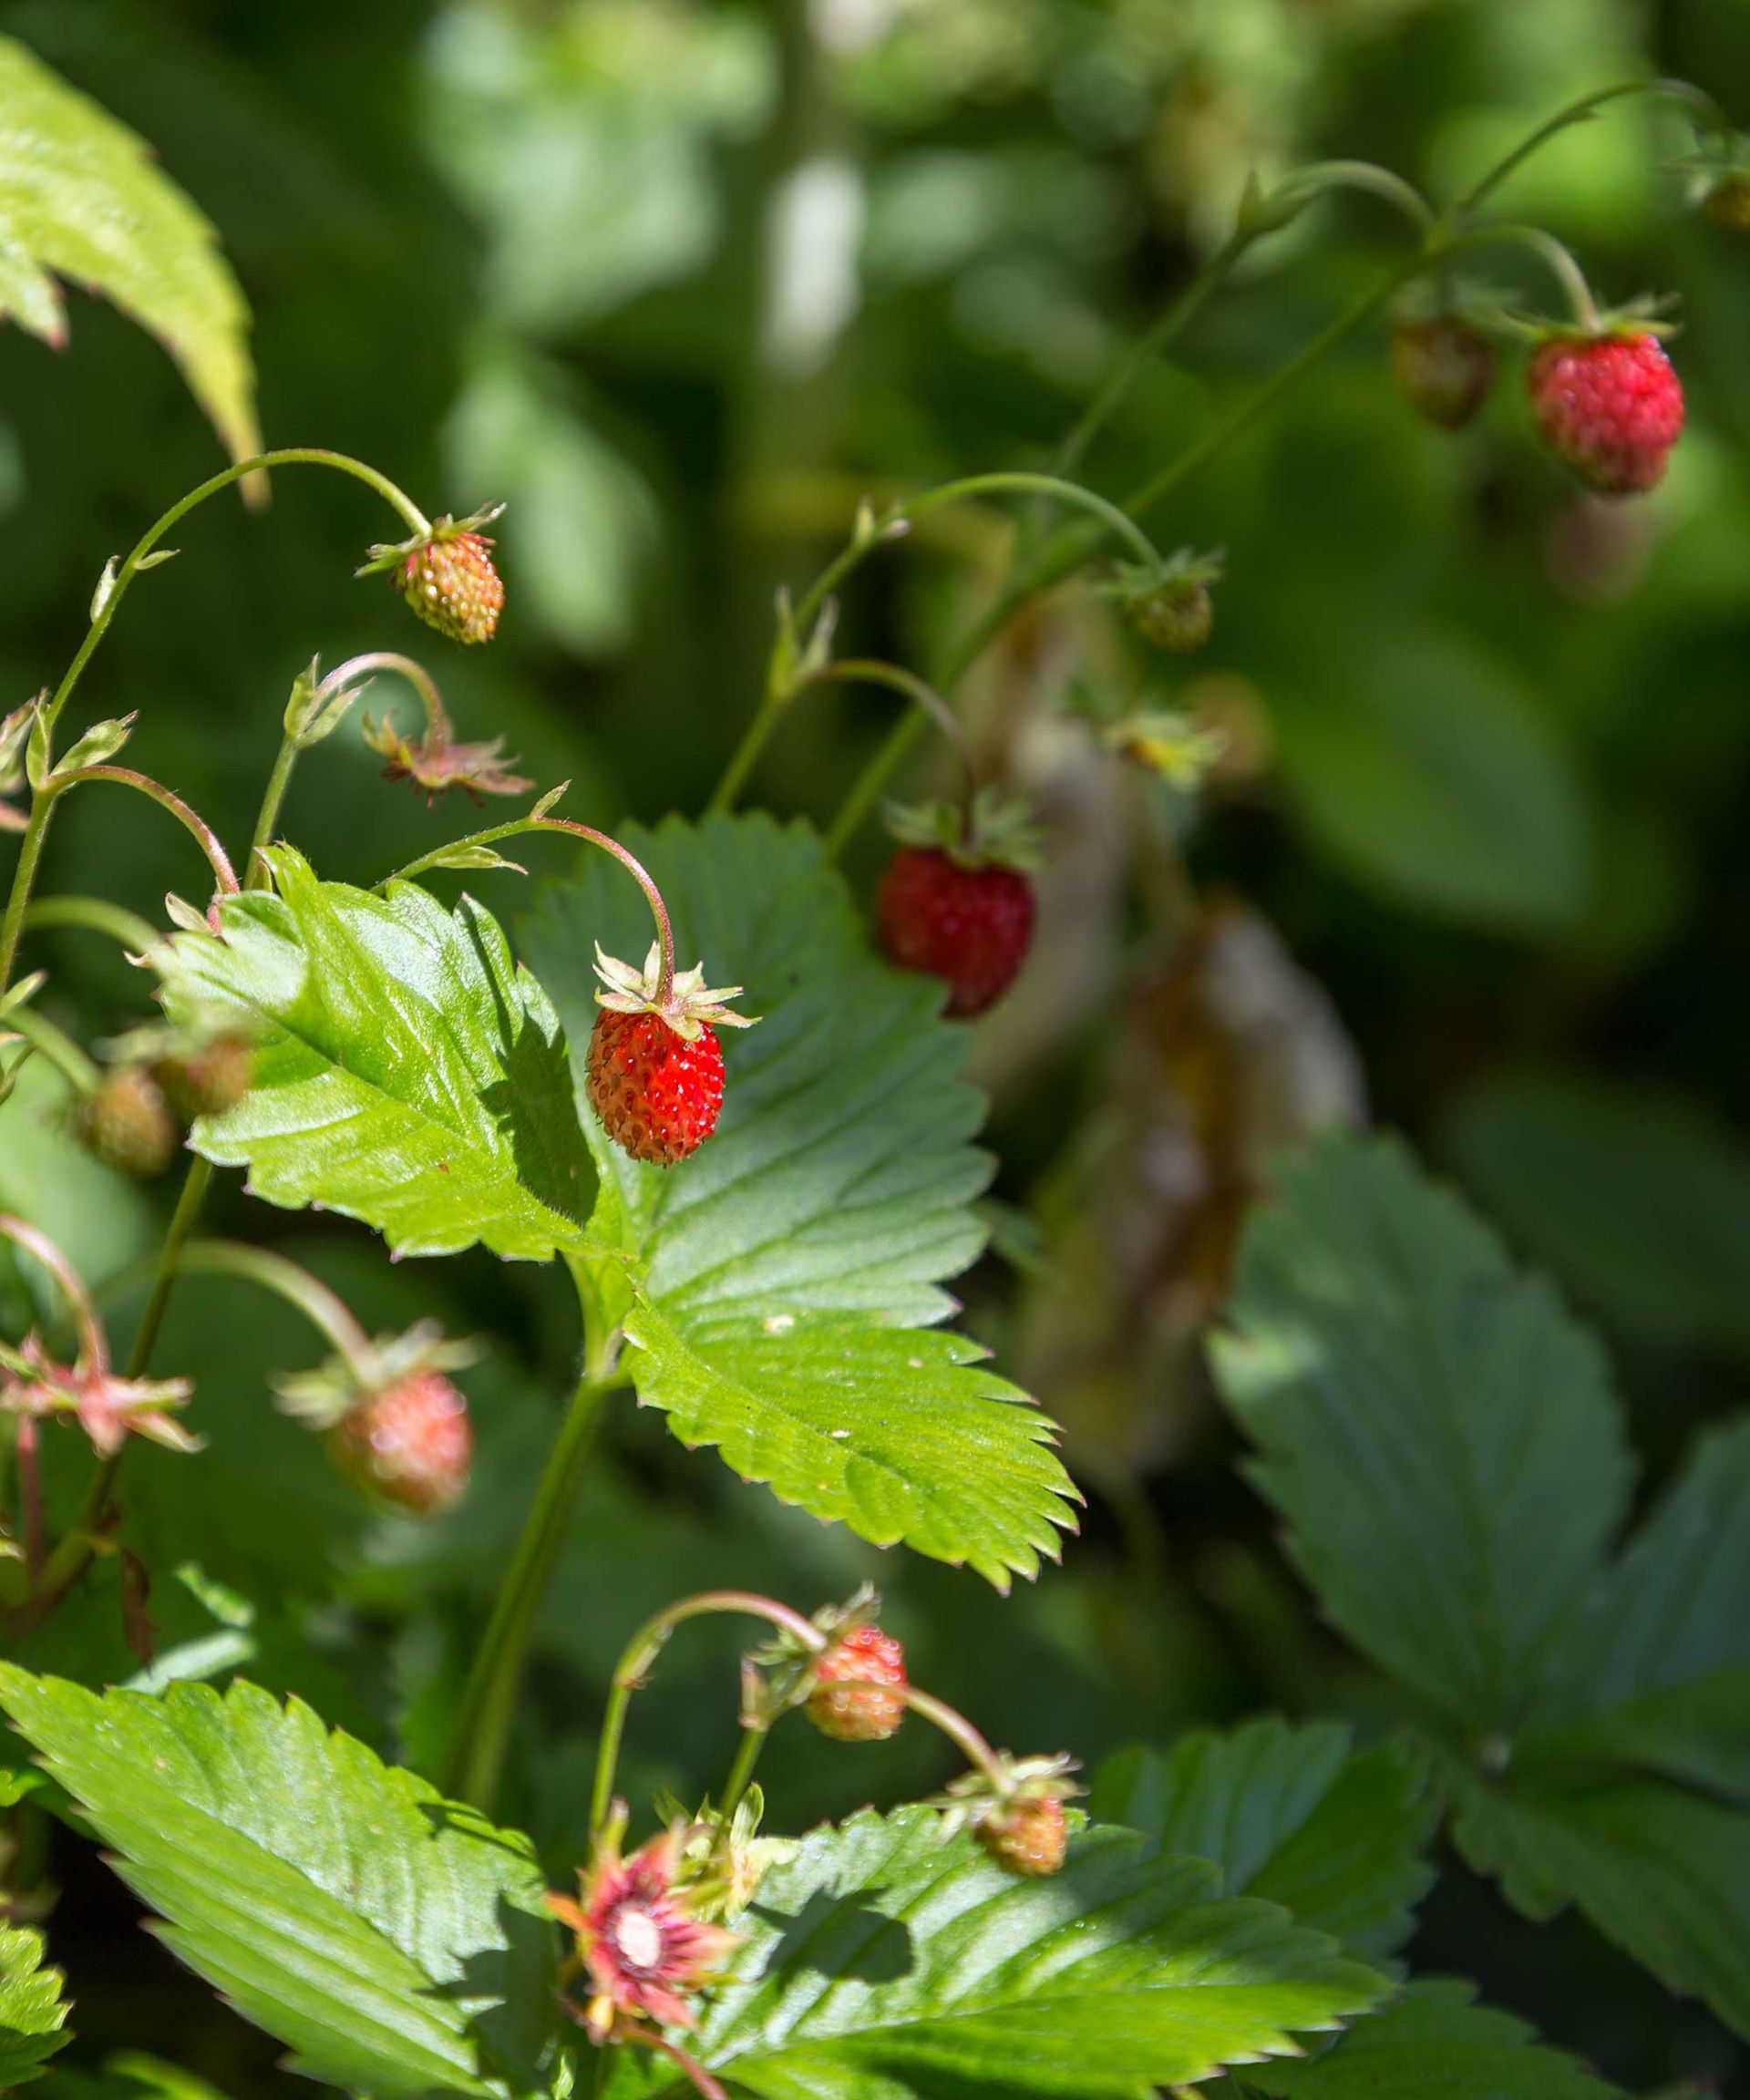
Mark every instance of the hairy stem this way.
pixel 56 1046
pixel 641 1651
pixel 202 833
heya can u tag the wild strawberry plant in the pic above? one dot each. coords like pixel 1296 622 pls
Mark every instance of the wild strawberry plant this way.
pixel 724 1094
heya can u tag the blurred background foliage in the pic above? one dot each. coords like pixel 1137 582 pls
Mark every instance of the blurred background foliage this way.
pixel 680 281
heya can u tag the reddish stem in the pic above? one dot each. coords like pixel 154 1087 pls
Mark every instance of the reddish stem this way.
pixel 94 1347
pixel 204 835
pixel 30 1496
pixel 437 722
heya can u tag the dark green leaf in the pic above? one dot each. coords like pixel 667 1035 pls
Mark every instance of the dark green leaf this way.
pixel 1433 2044
pixel 394 1940
pixel 1662 1679
pixel 32 2010
pixel 1662 1872
pixel 81 197
pixel 883 1965
pixel 789 1266
pixel 1292 1815
pixel 409 1074
pixel 1440 1435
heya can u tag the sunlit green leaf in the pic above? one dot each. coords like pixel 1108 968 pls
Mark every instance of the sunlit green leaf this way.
pixel 394 1940
pixel 790 1268
pixel 81 198
pixel 883 1965
pixel 32 2011
pixel 408 1073
pixel 1293 1815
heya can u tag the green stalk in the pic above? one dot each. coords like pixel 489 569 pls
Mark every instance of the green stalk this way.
pixel 495 1681
pixel 30 851
pixel 96 915
pixel 256 869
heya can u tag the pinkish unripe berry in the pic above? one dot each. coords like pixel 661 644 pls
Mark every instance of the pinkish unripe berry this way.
pixel 1444 367
pixel 451 584
pixel 409 1443
pixel 1027 1836
pixel 124 1123
pixel 847 1701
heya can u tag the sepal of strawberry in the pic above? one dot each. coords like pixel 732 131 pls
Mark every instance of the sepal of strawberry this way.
pixel 437 763
pixel 655 1069
pixel 1169 603
pixel 110 1409
pixel 1172 746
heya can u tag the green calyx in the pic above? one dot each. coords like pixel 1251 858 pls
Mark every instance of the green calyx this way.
pixel 994 830
pixel 387 555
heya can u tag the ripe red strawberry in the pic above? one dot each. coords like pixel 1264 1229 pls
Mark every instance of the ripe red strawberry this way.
pixel 124 1122
pixel 970 925
pixel 654 1070
pixel 409 1443
pixel 1610 405
pixel 1444 367
pixel 451 584
pixel 1027 1836
pixel 844 1702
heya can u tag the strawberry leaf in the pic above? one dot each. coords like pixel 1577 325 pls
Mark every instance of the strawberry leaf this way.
pixel 81 198
pixel 881 1964
pixel 1433 2044
pixel 32 2010
pixel 1441 1437
pixel 394 1940
pixel 407 1072
pixel 1292 1815
pixel 784 1272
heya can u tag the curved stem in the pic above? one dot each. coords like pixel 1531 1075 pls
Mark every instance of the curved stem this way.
pixel 1702 104
pixel 96 915
pixel 58 1047
pixel 858 804
pixel 520 826
pixel 204 835
pixel 494 1684
pixel 94 1347
pixel 1306 185
pixel 31 848
pixel 741 1773
pixel 328 1313
pixel 437 722
pixel 1562 266
pixel 641 1651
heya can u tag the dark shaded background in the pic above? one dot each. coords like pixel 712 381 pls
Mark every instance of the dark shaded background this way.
pixel 1489 786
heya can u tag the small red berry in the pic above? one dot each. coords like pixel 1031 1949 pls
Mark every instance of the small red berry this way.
pixel 844 1703
pixel 1609 406
pixel 971 926
pixel 1444 369
pixel 124 1122
pixel 451 584
pixel 1027 1836
pixel 409 1442
pixel 658 1095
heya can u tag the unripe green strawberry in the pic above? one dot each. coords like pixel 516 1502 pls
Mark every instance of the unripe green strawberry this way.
pixel 451 584
pixel 409 1443
pixel 209 1080
pixel 1728 204
pixel 844 1702
pixel 1444 367
pixel 1180 617
pixel 1027 1836
pixel 124 1122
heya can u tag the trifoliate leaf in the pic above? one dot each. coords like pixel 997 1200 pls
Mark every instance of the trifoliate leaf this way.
pixel 408 1072
pixel 1292 1815
pixel 881 1964
pixel 81 198
pixel 1440 1435
pixel 394 1940
pixel 32 2010
pixel 1433 2044
pixel 787 1268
